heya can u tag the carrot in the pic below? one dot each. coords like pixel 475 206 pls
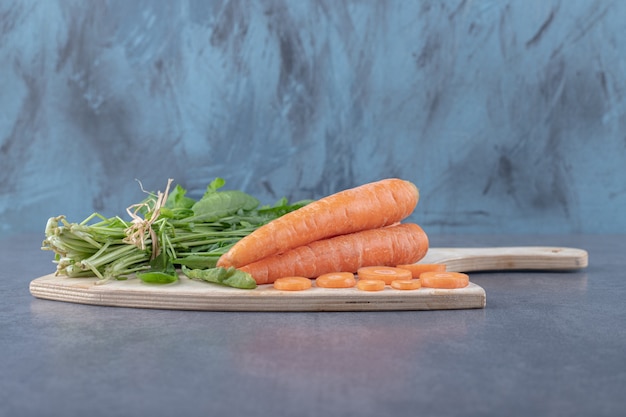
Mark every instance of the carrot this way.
pixel 392 245
pixel 292 284
pixel 406 284
pixel 417 269
pixel 383 273
pixel 336 280
pixel 448 280
pixel 369 206
pixel 370 285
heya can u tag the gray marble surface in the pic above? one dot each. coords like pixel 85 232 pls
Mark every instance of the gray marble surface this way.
pixel 508 114
pixel 547 344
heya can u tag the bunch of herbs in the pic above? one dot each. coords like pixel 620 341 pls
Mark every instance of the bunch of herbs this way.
pixel 168 231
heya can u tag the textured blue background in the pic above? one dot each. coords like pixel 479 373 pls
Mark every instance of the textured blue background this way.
pixel 510 116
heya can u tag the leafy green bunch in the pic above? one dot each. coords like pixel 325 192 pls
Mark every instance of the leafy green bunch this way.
pixel 168 231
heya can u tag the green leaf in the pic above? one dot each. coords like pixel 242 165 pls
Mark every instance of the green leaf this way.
pixel 156 277
pixel 198 261
pixel 215 185
pixel 177 200
pixel 216 205
pixel 231 277
pixel 281 208
pixel 162 271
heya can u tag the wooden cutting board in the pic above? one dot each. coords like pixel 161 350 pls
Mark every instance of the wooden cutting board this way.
pixel 194 295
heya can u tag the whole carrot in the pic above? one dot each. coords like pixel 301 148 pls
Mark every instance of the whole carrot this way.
pixel 369 206
pixel 393 245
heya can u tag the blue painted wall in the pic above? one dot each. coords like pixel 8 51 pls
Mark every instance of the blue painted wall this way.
pixel 509 115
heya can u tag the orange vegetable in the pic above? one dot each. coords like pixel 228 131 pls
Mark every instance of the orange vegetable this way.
pixel 448 280
pixel 403 243
pixel 336 280
pixel 292 284
pixel 383 273
pixel 369 206
pixel 417 269
pixel 370 285
pixel 406 284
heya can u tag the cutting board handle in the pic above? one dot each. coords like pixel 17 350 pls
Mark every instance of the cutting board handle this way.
pixel 509 258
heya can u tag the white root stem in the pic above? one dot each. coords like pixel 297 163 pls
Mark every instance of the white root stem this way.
pixel 136 233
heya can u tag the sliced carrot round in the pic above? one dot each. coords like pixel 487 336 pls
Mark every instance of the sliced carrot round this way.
pixel 406 284
pixel 417 269
pixel 383 273
pixel 370 285
pixel 336 280
pixel 292 283
pixel 448 280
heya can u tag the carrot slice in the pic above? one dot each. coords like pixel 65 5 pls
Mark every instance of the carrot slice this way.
pixel 383 273
pixel 417 269
pixel 292 283
pixel 448 280
pixel 370 285
pixel 406 284
pixel 336 280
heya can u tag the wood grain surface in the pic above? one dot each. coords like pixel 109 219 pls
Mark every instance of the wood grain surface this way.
pixel 188 294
